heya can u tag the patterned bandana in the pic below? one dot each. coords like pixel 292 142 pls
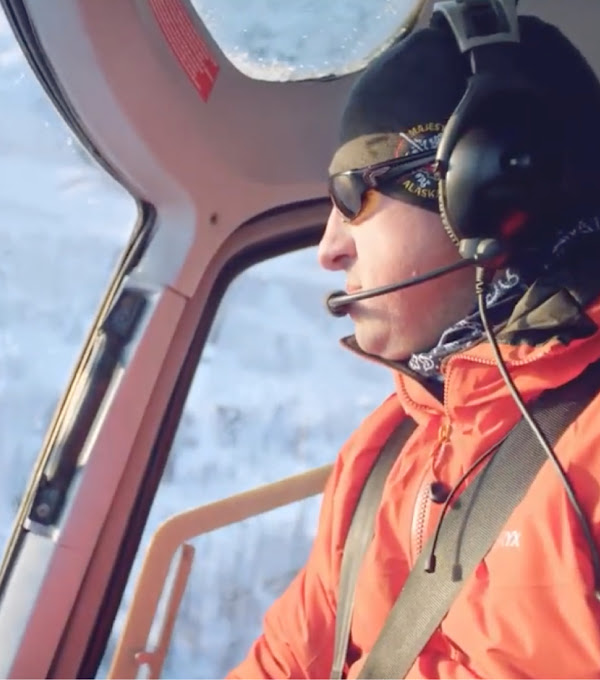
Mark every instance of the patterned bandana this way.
pixel 501 299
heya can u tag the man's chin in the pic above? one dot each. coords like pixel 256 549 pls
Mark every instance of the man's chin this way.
pixel 377 345
pixel 370 343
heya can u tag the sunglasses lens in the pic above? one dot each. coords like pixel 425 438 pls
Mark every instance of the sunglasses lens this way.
pixel 346 191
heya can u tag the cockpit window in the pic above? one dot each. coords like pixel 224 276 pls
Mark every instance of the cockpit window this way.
pixel 302 39
pixel 64 225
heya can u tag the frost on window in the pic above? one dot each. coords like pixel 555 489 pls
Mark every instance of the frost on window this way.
pixel 273 395
pixel 300 39
pixel 63 224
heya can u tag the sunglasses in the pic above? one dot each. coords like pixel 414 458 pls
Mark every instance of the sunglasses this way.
pixel 347 189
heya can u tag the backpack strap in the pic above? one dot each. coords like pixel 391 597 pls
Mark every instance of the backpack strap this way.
pixel 471 527
pixel 359 537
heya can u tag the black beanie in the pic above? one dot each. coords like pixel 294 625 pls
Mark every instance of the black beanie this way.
pixel 401 102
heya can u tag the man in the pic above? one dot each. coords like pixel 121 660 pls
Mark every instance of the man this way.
pixel 529 609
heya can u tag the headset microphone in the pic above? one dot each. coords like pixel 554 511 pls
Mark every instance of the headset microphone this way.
pixel 476 252
pixel 338 302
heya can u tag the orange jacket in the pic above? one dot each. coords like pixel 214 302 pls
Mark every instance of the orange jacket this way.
pixel 529 609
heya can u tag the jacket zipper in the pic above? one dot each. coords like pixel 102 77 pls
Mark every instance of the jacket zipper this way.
pixel 424 496
pixel 422 501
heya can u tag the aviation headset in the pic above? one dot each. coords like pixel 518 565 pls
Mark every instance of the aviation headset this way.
pixel 499 163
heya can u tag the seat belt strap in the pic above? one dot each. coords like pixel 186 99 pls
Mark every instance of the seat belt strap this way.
pixel 359 538
pixel 471 527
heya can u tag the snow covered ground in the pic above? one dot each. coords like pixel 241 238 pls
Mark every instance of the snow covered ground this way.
pixel 63 223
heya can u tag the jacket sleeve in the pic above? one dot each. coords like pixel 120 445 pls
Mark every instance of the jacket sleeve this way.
pixel 298 629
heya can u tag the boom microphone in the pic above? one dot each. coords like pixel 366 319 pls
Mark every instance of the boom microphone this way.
pixel 489 253
pixel 338 303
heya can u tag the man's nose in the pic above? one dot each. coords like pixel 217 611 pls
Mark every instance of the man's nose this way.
pixel 336 249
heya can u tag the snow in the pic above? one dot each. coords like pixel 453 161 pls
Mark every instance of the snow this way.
pixel 278 403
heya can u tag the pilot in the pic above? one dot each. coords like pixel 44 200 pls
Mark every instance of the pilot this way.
pixel 529 608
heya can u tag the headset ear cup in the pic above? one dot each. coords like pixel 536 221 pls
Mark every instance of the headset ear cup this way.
pixel 503 175
pixel 488 252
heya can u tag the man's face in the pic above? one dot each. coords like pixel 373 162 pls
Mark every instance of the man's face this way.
pixel 389 242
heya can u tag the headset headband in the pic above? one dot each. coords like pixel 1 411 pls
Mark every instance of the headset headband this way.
pixel 478 23
pixel 499 179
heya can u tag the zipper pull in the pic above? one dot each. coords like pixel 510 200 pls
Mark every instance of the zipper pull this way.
pixel 444 432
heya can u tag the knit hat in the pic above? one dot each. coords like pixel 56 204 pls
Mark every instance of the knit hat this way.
pixel 401 102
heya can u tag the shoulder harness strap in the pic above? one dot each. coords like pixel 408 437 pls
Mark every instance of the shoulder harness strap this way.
pixel 359 537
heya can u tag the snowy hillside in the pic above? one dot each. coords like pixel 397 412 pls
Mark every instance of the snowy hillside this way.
pixel 63 223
